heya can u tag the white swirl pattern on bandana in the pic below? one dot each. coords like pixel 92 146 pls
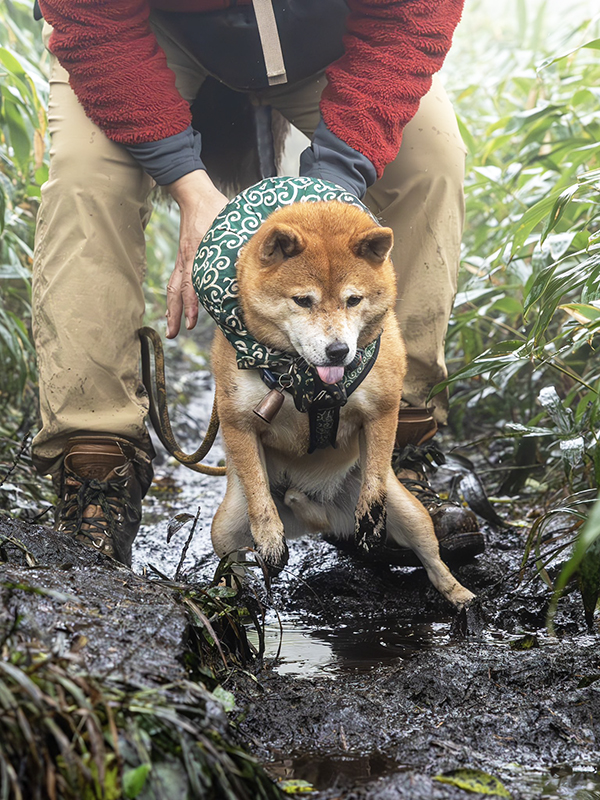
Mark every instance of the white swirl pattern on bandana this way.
pixel 214 273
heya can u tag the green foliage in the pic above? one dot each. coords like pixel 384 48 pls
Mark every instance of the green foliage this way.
pixel 474 780
pixel 528 307
pixel 522 343
pixel 296 787
pixel 23 169
pixel 78 737
pixel 585 562
pixel 68 734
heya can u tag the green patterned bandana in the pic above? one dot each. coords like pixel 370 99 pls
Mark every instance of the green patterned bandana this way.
pixel 215 281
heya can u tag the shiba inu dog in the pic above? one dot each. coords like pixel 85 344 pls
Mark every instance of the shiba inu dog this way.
pixel 316 282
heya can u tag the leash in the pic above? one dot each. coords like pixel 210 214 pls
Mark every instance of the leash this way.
pixel 159 414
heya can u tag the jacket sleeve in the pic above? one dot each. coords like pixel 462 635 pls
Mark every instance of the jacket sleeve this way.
pixel 331 159
pixel 392 48
pixel 116 68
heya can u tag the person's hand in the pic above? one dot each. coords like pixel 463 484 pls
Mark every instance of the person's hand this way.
pixel 199 203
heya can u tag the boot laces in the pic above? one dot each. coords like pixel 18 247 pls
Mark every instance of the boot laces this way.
pixel 111 497
pixel 421 460
pixel 422 491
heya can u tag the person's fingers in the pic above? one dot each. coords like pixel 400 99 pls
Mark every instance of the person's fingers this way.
pixel 199 203
pixel 190 301
pixel 174 301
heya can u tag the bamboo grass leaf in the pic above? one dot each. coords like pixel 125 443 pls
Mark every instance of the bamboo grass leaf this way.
pixel 583 313
pixel 474 780
pixel 558 210
pixel 552 404
pixel 135 779
pixel 532 217
pixel 589 580
pixel 588 536
pixel 573 450
pixel 594 44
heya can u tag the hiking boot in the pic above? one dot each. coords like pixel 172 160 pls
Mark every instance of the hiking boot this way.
pixel 415 426
pixel 455 526
pixel 103 481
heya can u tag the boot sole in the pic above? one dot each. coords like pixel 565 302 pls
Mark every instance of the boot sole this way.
pixel 465 547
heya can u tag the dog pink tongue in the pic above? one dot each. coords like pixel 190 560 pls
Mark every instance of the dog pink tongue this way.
pixel 331 374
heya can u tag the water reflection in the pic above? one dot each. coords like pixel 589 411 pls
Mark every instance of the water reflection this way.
pixel 333 771
pixel 357 647
pixel 354 769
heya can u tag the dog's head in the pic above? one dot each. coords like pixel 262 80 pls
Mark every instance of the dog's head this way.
pixel 317 280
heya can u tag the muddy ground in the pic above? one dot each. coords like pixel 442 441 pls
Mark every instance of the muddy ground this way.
pixel 407 696
pixel 378 688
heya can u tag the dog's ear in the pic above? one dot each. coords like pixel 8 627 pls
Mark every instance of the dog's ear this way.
pixel 374 245
pixel 282 242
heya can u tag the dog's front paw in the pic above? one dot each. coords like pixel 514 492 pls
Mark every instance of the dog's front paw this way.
pixel 369 527
pixel 460 597
pixel 274 556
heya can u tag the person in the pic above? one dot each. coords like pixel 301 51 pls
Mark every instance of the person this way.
pixel 123 78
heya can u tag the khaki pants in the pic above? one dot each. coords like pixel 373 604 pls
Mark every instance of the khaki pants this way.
pixel 90 254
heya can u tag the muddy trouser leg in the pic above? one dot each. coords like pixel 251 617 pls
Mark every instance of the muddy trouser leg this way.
pixel 420 196
pixel 89 266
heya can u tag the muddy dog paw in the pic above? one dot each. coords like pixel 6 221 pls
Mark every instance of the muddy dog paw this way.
pixel 273 560
pixel 369 528
pixel 469 621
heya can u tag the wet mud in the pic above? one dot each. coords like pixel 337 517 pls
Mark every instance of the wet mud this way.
pixel 371 687
pixel 67 598
pixel 400 691
pixel 81 634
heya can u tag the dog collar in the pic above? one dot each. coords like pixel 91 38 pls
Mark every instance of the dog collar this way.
pixel 215 281
pixel 321 400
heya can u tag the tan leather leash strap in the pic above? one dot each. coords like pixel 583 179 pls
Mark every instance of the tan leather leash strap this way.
pixel 159 414
pixel 269 40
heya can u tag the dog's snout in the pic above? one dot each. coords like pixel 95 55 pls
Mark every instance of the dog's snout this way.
pixel 336 352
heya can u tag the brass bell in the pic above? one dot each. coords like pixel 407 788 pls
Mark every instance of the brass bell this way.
pixel 269 406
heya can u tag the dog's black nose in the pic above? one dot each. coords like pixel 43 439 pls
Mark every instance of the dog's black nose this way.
pixel 336 352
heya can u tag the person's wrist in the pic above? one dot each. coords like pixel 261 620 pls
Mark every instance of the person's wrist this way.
pixel 190 186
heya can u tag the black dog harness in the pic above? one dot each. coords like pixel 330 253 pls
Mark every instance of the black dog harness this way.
pixel 322 401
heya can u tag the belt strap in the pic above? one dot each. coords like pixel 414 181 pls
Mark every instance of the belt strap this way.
pixel 269 40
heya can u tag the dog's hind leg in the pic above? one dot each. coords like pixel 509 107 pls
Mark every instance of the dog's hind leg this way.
pixel 312 516
pixel 409 525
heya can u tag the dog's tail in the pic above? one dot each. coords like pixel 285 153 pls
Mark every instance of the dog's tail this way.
pixel 242 143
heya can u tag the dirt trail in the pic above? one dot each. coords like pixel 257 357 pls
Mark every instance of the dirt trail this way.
pixel 382 728
pixel 379 688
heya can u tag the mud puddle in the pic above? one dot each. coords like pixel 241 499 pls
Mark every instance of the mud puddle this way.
pixel 579 784
pixel 301 650
pixel 331 772
pixel 342 773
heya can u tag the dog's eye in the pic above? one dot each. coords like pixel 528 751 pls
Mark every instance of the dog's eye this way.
pixel 353 300
pixel 303 302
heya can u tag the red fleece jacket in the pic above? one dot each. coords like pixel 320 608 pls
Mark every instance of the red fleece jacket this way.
pixel 121 78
